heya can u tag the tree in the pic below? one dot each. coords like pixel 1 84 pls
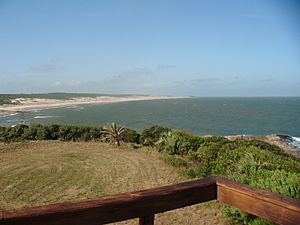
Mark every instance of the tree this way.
pixel 114 133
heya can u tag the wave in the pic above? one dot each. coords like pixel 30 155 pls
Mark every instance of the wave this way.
pixel 75 107
pixel 296 142
pixel 13 114
pixel 11 120
pixel 44 117
pixel 296 139
pixel 9 115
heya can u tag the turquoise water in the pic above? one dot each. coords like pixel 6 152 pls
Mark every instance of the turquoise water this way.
pixel 215 116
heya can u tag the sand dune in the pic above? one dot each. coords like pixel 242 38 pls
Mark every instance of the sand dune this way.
pixel 25 104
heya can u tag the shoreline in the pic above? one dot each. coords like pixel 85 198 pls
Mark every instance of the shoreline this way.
pixel 27 104
pixel 275 139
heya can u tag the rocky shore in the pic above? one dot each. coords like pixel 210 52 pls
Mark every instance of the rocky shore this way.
pixel 282 141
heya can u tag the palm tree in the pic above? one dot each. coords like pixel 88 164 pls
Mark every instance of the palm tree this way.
pixel 114 133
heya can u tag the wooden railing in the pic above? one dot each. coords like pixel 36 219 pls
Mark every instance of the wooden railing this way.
pixel 145 204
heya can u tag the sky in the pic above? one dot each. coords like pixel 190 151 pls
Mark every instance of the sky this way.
pixel 166 47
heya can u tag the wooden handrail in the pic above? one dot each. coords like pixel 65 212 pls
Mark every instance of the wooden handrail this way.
pixel 270 206
pixel 146 203
pixel 117 208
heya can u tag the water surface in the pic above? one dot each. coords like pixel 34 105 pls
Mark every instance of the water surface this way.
pixel 215 116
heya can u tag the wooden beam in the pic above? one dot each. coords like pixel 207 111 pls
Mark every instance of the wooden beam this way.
pixel 147 220
pixel 270 206
pixel 144 204
pixel 116 208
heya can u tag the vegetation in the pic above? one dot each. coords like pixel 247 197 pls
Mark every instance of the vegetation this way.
pixel 251 162
pixel 34 132
pixel 45 172
pixel 151 135
pixel 131 136
pixel 114 133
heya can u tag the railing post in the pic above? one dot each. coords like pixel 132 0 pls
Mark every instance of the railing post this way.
pixel 147 220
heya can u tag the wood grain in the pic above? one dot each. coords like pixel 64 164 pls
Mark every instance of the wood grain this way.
pixel 146 203
pixel 271 206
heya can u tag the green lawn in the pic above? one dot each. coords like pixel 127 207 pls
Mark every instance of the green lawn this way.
pixel 37 173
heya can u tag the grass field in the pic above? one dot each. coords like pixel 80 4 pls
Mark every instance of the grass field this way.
pixel 37 173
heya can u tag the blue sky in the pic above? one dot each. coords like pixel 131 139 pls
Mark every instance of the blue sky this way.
pixel 167 47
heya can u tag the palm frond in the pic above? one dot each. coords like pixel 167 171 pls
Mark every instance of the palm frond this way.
pixel 113 132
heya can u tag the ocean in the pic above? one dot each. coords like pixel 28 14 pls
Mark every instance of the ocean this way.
pixel 201 116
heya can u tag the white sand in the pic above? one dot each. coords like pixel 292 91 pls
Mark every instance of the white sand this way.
pixel 26 104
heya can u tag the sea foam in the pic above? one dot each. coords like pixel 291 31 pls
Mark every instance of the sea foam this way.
pixel 44 117
pixel 296 138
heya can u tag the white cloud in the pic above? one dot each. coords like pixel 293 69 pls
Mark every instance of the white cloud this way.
pixel 166 66
pixel 47 67
pixel 205 79
pixel 130 74
pixel 66 83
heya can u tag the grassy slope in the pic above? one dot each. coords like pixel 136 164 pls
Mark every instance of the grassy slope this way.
pixel 35 173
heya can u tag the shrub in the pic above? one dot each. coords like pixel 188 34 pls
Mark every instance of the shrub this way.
pixel 151 135
pixel 178 142
pixel 13 133
pixel 23 132
pixel 43 133
pixel 30 133
pixel 95 133
pixel 64 133
pixel 131 136
pixel 251 162
pixel 266 146
pixel 278 181
pixel 54 131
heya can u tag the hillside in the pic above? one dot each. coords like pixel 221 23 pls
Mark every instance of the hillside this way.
pixel 45 172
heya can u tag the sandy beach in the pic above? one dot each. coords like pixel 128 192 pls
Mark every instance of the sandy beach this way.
pixel 26 104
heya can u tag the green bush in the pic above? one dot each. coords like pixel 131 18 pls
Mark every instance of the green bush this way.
pixel 54 131
pixel 43 133
pixel 10 134
pixel 251 162
pixel 178 142
pixel 31 133
pixel 95 133
pixel 131 136
pixel 278 181
pixel 151 135
pixel 49 132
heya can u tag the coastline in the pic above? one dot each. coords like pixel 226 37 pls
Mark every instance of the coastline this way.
pixel 18 105
pixel 275 139
pixel 26 104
